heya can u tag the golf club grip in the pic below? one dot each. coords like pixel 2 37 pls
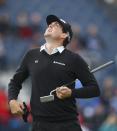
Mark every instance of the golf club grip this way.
pixel 26 112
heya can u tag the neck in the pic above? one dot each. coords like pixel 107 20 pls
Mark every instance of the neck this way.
pixel 50 45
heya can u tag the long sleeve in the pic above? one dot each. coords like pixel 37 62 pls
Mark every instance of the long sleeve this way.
pixel 90 87
pixel 16 82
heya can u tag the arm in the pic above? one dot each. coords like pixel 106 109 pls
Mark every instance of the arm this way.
pixel 15 85
pixel 90 86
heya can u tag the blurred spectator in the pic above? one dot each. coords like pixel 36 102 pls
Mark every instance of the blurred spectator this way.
pixel 107 91
pixel 95 45
pixel 3 61
pixel 88 113
pixel 23 28
pixel 4 109
pixel 36 38
pixel 82 123
pixel 79 36
pixel 78 42
pixel 73 46
pixel 36 22
pixel 79 45
pixel 93 40
pixel 110 124
pixel 113 101
pixel 4 23
pixel 33 46
pixel 2 2
pixel 99 117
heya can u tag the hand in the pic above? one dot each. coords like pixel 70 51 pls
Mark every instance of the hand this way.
pixel 16 107
pixel 63 92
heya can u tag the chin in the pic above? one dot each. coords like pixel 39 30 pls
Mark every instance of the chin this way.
pixel 47 34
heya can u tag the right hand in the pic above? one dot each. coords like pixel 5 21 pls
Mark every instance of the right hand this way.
pixel 16 107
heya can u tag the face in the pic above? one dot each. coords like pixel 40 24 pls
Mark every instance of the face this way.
pixel 54 31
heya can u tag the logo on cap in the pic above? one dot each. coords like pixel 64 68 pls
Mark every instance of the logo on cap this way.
pixel 63 21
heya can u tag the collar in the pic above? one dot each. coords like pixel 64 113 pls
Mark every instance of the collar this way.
pixel 59 49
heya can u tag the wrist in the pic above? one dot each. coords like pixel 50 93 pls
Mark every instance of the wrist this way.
pixel 12 101
pixel 74 93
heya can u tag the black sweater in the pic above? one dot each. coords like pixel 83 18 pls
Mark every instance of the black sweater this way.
pixel 48 72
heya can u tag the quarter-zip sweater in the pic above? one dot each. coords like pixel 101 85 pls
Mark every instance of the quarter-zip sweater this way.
pixel 47 72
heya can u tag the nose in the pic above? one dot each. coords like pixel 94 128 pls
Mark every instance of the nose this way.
pixel 50 26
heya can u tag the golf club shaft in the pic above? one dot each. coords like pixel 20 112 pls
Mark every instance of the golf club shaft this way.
pixel 102 66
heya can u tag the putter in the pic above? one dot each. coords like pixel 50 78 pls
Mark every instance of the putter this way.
pixel 50 97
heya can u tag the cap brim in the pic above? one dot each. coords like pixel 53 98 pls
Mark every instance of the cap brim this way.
pixel 52 18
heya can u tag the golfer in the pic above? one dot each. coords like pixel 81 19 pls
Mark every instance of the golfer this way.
pixel 50 67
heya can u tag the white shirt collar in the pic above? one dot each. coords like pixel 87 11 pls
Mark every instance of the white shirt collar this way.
pixel 59 49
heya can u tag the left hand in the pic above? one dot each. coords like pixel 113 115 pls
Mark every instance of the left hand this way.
pixel 63 92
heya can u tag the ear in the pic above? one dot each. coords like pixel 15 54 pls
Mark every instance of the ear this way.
pixel 64 35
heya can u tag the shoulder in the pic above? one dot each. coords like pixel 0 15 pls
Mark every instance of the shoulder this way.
pixel 76 58
pixel 73 55
pixel 33 51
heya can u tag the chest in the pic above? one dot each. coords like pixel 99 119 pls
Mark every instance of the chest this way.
pixel 50 65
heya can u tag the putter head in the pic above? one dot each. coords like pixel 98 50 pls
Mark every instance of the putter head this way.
pixel 47 98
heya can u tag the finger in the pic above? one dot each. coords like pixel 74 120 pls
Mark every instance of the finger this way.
pixel 62 91
pixel 20 112
pixel 17 113
pixel 21 105
pixel 20 109
pixel 59 95
pixel 58 90
pixel 62 88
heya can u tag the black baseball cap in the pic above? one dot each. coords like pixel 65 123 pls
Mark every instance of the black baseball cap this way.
pixel 66 26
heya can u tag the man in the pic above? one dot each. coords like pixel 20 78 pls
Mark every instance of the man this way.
pixel 51 67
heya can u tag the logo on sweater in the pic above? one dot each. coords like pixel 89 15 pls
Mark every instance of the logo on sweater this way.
pixel 56 62
pixel 36 61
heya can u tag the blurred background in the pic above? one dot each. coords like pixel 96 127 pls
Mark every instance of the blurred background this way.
pixel 94 22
